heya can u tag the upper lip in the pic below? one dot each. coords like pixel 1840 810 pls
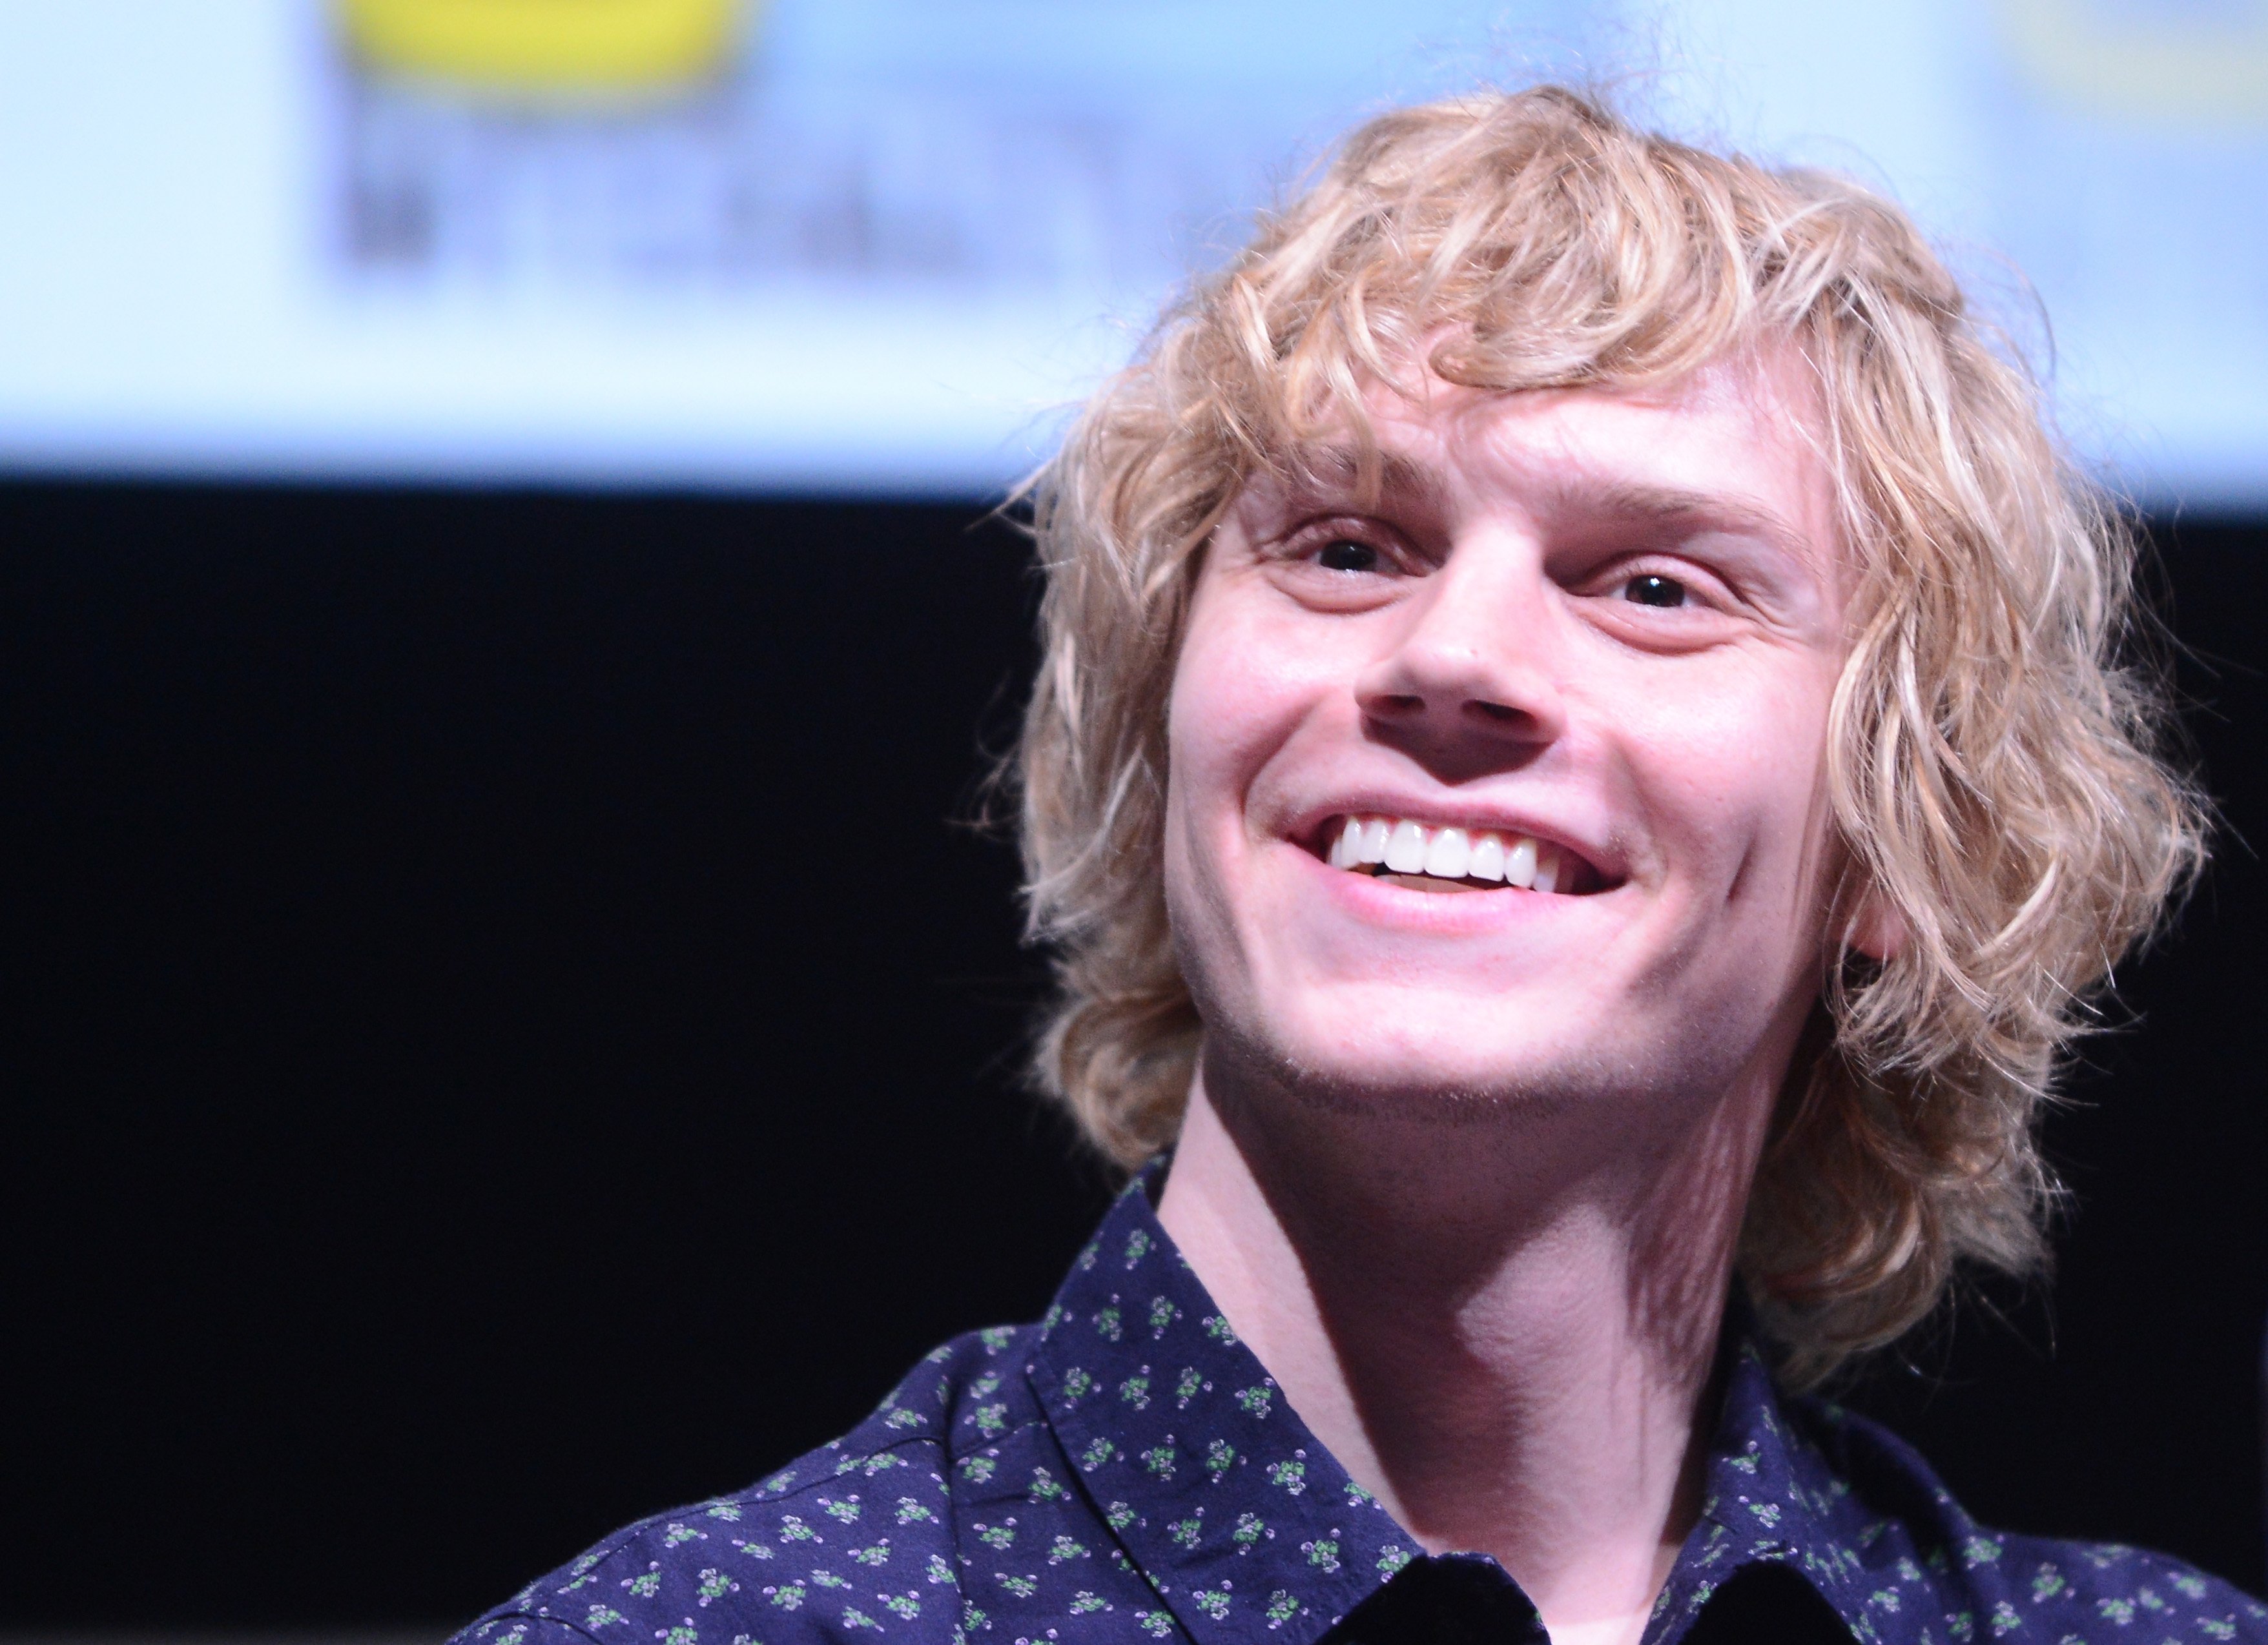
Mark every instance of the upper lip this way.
pixel 1475 816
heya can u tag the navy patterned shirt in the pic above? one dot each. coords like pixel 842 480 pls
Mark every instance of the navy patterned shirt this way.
pixel 1126 1470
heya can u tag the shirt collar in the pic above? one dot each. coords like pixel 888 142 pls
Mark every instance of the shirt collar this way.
pixel 1770 1497
pixel 1248 1528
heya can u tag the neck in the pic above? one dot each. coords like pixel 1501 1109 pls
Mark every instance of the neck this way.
pixel 1504 1341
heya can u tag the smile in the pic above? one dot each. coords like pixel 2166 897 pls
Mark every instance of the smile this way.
pixel 1423 858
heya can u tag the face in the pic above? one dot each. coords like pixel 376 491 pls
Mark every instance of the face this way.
pixel 1568 674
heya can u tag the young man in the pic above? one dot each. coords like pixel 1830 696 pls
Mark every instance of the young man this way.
pixel 1579 784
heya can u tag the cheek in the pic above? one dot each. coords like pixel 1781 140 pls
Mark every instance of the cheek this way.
pixel 1231 711
pixel 1736 781
pixel 1731 785
pixel 1236 700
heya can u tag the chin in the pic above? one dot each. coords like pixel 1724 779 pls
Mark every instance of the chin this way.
pixel 1436 1061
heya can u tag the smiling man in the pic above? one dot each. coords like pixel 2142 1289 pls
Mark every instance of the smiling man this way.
pixel 1581 782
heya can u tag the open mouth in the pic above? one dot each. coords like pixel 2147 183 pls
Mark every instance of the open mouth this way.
pixel 1421 857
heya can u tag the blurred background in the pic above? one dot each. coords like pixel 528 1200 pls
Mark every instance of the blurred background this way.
pixel 503 1025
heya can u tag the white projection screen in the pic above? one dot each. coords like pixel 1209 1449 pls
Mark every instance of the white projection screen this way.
pixel 875 246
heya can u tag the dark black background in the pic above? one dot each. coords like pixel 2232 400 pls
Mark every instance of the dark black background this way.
pixel 500 1034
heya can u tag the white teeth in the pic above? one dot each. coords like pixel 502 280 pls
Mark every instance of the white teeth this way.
pixel 1447 854
pixel 1519 863
pixel 1405 849
pixel 1487 859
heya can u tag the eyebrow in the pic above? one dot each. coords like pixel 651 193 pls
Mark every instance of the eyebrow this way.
pixel 1339 469
pixel 1336 468
pixel 1638 502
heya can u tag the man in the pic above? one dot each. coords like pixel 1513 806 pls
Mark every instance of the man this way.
pixel 1579 784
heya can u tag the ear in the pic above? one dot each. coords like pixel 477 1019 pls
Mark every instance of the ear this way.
pixel 1876 929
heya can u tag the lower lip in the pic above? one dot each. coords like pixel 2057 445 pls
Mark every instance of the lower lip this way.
pixel 1382 902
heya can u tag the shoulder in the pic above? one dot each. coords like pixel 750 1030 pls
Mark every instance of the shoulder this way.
pixel 854 1534
pixel 1914 1539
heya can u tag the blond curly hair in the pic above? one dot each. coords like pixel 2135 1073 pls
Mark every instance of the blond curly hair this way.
pixel 1997 767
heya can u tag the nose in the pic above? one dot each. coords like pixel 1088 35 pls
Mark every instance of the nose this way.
pixel 1470 681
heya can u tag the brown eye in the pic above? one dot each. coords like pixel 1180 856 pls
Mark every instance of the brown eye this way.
pixel 1346 554
pixel 1654 590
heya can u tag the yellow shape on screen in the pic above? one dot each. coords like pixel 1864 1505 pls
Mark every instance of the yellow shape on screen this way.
pixel 547 47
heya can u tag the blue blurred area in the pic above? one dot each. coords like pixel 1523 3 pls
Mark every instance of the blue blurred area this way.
pixel 879 245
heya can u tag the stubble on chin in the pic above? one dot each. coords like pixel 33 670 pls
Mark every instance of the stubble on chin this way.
pixel 1245 1065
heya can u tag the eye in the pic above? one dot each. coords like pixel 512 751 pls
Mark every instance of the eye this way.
pixel 1649 589
pixel 1344 554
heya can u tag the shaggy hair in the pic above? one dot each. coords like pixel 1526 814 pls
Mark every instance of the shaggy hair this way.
pixel 1995 772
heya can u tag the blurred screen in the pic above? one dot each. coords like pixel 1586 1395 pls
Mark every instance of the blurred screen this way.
pixel 876 245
